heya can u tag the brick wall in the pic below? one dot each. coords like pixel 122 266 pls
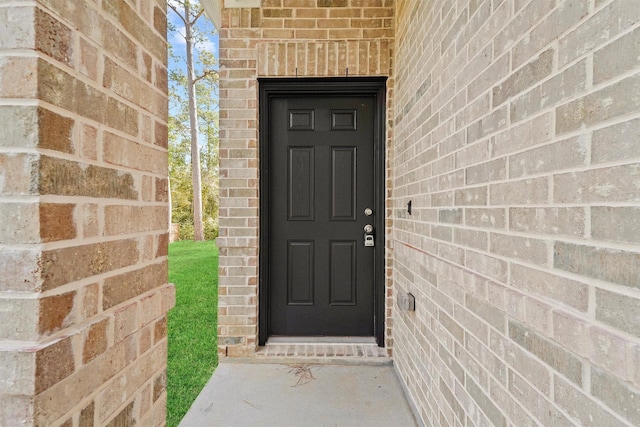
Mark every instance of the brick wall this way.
pixel 517 132
pixel 83 203
pixel 283 38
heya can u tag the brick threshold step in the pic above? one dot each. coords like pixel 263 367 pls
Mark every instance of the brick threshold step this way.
pixel 320 351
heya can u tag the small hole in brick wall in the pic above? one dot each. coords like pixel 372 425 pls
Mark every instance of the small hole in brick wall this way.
pixel 409 207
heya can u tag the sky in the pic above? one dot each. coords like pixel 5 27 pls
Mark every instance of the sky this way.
pixel 176 39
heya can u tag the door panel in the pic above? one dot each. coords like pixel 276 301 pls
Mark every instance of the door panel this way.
pixel 321 179
pixel 343 273
pixel 343 183
pixel 301 184
pixel 300 274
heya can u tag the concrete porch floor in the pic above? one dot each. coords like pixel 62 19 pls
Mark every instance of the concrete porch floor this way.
pixel 274 392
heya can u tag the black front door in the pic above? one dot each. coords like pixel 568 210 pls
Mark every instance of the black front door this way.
pixel 321 198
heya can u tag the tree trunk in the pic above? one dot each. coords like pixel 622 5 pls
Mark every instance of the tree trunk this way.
pixel 198 229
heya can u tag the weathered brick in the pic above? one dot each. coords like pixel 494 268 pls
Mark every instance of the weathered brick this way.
pixel 134 25
pixel 121 116
pixel 456 331
pixel 536 403
pixel 495 170
pixel 95 342
pixel 548 285
pixel 448 396
pixel 561 155
pixel 609 351
pixel 524 78
pixel 619 311
pixel 89 307
pixel 486 265
pixel 529 133
pixel 23 218
pixel 19 123
pixel 57 221
pixel 121 219
pixel 20 270
pixel 471 196
pixel 616 223
pixel 17 35
pixel 618 395
pixel 509 406
pixel 487 125
pixel 55 131
pixel 532 191
pixel 523 362
pixel 160 330
pixel 53 38
pixel 598 29
pixel 616 142
pixel 19 77
pixel 18 174
pixel 522 23
pixel 125 321
pixel 18 319
pixel 65 265
pixel 161 135
pixel 151 308
pixel 125 418
pixel 552 354
pixel 16 373
pixel 332 3
pixel 612 265
pixel 598 107
pixel 125 152
pixel 555 221
pixel 87 416
pixel 580 406
pixel 523 248
pixel 56 312
pixel 162 190
pixel 450 216
pixel 53 363
pixel 130 285
pixel 471 238
pixel 563 17
pixel 485 217
pixel 489 77
pixel 127 385
pixel 159 385
pixel 159 20
pixel 609 63
pixel 486 311
pixel 611 184
pixel 486 405
pixel 64 177
pixel 568 84
pixel 88 62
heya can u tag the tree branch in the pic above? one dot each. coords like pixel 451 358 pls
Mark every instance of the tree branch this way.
pixel 205 73
pixel 197 16
pixel 177 13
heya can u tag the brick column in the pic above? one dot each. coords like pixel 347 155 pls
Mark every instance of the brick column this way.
pixel 83 203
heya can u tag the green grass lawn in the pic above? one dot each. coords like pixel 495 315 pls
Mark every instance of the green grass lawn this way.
pixel 193 267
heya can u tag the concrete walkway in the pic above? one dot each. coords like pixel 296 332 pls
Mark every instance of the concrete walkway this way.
pixel 301 394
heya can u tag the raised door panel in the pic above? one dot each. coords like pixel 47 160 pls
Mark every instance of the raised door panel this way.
pixel 342 273
pixel 300 186
pixel 343 183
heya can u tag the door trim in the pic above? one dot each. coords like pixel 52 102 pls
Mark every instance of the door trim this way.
pixel 283 87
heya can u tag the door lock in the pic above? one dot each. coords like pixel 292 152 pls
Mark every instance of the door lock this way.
pixel 369 239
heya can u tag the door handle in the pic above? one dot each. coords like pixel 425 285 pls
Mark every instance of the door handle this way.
pixel 369 239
